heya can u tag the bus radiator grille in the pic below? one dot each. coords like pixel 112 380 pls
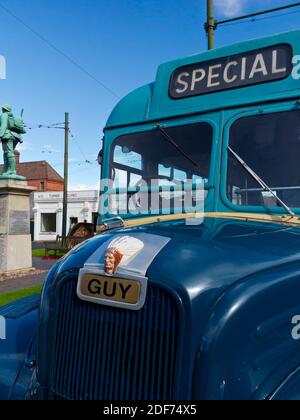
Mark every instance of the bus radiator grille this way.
pixel 106 353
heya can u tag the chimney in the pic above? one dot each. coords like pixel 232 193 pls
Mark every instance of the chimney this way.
pixel 17 155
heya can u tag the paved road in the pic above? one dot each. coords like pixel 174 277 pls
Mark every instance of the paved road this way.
pixel 41 264
pixel 37 245
pixel 33 279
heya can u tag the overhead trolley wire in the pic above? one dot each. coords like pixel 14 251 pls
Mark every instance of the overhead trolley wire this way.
pixel 256 20
pixel 59 51
pixel 43 126
pixel 60 126
pixel 80 149
pixel 262 12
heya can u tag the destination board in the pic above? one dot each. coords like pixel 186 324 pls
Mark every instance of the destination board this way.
pixel 251 68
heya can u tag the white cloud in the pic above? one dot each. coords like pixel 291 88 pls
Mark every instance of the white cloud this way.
pixel 230 8
pixel 24 147
pixel 84 187
pixel 48 148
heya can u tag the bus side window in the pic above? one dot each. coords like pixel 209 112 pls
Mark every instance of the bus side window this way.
pixel 164 172
pixel 270 145
pixel 128 167
pixel 179 175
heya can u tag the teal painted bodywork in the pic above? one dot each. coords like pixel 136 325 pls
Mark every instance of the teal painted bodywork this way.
pixel 237 285
pixel 18 350
pixel 152 102
pixel 236 282
pixel 142 109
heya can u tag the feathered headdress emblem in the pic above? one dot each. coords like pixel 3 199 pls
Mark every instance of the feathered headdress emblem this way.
pixel 121 251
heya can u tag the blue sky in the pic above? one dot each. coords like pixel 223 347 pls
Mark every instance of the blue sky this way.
pixel 120 43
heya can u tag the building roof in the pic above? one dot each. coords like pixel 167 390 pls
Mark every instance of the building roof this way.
pixel 39 170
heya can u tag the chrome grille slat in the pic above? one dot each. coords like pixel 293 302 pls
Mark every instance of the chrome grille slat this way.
pixel 111 353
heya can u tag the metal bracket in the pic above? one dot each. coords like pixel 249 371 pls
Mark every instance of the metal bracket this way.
pixel 109 224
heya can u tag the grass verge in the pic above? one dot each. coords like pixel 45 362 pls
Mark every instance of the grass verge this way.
pixel 41 253
pixel 19 294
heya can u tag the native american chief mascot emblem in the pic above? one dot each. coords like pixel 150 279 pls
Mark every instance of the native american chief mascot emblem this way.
pixel 121 250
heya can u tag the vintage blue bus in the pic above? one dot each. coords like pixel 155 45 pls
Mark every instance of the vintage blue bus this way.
pixel 171 301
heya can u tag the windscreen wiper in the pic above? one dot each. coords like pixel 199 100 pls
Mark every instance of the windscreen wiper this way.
pixel 173 142
pixel 260 181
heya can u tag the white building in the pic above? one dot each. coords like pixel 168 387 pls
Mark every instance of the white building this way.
pixel 48 209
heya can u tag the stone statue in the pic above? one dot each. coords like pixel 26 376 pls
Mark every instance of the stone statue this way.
pixel 10 135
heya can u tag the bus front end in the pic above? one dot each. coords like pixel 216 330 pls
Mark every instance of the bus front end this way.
pixel 190 288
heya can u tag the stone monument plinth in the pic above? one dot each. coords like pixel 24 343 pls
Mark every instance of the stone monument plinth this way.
pixel 15 239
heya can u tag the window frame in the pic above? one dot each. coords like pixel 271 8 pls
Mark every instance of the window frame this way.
pixel 41 225
pixel 213 119
pixel 259 110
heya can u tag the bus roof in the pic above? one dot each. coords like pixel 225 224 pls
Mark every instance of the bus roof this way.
pixel 157 101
